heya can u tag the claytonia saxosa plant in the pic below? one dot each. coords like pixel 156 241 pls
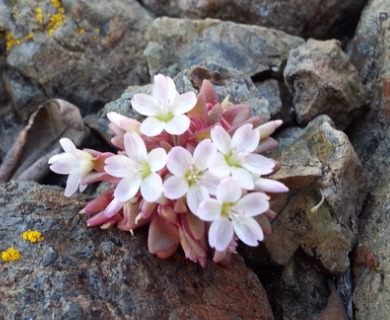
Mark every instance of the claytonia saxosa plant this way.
pixel 192 170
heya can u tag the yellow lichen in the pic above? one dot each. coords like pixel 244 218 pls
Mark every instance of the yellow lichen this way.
pixel 56 21
pixel 56 3
pixel 38 15
pixel 11 254
pixel 80 31
pixel 32 236
pixel 12 41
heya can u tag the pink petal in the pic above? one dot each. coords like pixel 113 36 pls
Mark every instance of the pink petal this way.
pixel 243 177
pixel 135 147
pixel 164 90
pixel 269 185
pixel 145 105
pixel 220 234
pixel 228 191
pixel 184 103
pixel 203 153
pixel 245 139
pixel 151 187
pixel 114 206
pixel 127 188
pixel 157 158
pixel 119 166
pixel 258 164
pixel 178 124
pixel 209 210
pixel 179 161
pixel 175 187
pixel 247 230
pixel 152 127
pixel 162 235
pixel 195 196
pixel 253 204
pixel 221 139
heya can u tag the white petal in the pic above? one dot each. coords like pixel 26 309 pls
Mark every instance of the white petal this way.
pixel 179 161
pixel 164 89
pixel 157 158
pixel 127 188
pixel 195 195
pixel 258 164
pixel 253 204
pixel 269 185
pixel 244 178
pixel 228 191
pixel 209 210
pixel 135 147
pixel 119 166
pixel 220 234
pixel 245 139
pixel 145 105
pixel 152 127
pixel 221 139
pixel 72 183
pixel 203 153
pixel 219 167
pixel 63 163
pixel 210 182
pixel 67 145
pixel 175 187
pixel 178 124
pixel 184 103
pixel 247 230
pixel 151 187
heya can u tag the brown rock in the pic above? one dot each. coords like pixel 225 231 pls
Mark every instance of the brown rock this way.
pixel 323 81
pixel 83 273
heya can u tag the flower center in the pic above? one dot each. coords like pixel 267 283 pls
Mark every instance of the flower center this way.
pixel 165 116
pixel 233 159
pixel 193 176
pixel 144 170
pixel 227 209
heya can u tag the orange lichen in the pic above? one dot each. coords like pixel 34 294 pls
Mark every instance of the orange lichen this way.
pixel 11 254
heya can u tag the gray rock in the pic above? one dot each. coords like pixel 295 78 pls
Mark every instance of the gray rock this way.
pixel 271 92
pixel 317 162
pixel 83 273
pixel 371 138
pixel 299 17
pixel 178 44
pixel 83 52
pixel 323 82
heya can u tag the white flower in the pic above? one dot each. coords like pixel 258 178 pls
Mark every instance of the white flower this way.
pixel 190 174
pixel 231 214
pixel 77 163
pixel 137 170
pixel 165 108
pixel 235 155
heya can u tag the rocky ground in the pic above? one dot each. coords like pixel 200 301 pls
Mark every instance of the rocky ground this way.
pixel 324 69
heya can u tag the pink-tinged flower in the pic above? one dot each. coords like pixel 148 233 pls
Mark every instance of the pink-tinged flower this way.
pixel 120 125
pixel 74 162
pixel 165 109
pixel 190 174
pixel 236 157
pixel 137 170
pixel 232 214
pixel 269 185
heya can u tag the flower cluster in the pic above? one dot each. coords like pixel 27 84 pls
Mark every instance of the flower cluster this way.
pixel 192 170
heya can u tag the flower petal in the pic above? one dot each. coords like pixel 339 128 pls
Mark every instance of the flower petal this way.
pixel 72 183
pixel 152 127
pixel 253 204
pixel 164 90
pixel 218 166
pixel 145 105
pixel 184 103
pixel 157 158
pixel 210 182
pixel 195 195
pixel 209 210
pixel 178 124
pixel 247 230
pixel 179 161
pixel 221 234
pixel 269 185
pixel 228 191
pixel 119 166
pixel 175 187
pixel 63 163
pixel 135 147
pixel 113 207
pixel 221 139
pixel 243 177
pixel 151 187
pixel 203 153
pixel 127 188
pixel 245 139
pixel 258 164
pixel 67 145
